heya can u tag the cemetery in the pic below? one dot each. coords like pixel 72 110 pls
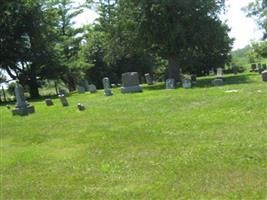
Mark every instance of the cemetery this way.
pixel 150 100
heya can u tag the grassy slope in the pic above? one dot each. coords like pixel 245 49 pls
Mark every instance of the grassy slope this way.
pixel 197 143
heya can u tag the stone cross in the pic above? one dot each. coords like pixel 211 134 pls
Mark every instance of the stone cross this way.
pixel 107 89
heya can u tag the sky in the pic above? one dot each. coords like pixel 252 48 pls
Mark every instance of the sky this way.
pixel 243 29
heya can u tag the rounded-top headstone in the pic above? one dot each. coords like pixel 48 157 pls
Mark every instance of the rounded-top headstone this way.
pixel 264 76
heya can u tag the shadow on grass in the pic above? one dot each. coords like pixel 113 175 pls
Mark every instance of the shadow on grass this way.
pixel 228 80
pixel 206 81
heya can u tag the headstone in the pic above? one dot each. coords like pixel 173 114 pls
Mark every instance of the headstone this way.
pixel 219 73
pixel 107 89
pixel 63 100
pixel 235 70
pixel 253 67
pixel 187 83
pixel 194 78
pixel 264 76
pixel 81 89
pixel 92 88
pixel 22 107
pixel 80 107
pixel 149 79
pixel 211 72
pixel 130 83
pixel 170 84
pixel 217 82
pixel 49 102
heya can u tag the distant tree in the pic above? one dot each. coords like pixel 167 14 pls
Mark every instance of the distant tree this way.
pixel 258 10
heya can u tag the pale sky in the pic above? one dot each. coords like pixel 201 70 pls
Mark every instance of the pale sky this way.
pixel 244 29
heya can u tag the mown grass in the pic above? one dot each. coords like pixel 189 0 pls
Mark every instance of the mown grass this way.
pixel 200 143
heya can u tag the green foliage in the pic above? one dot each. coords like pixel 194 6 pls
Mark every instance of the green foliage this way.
pixel 258 9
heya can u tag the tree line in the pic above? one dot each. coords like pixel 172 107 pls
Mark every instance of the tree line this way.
pixel 40 42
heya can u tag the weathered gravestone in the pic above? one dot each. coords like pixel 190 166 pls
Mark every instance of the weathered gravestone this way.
pixel 83 86
pixel 219 73
pixel 80 107
pixel 130 83
pixel 63 100
pixel 92 88
pixel 107 89
pixel 149 79
pixel 170 84
pixel 264 76
pixel 187 83
pixel 253 67
pixel 49 102
pixel 22 107
pixel 81 89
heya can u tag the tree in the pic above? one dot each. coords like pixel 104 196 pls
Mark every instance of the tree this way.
pixel 69 42
pixel 27 41
pixel 258 10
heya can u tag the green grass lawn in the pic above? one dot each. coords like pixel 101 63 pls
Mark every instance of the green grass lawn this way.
pixel 199 143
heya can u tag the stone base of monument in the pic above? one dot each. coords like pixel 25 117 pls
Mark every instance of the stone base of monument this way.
pixel 131 89
pixel 108 93
pixel 217 82
pixel 23 111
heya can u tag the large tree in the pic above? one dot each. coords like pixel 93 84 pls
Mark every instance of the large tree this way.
pixel 179 30
pixel 27 41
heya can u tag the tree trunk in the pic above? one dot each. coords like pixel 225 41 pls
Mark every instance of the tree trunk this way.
pixel 33 85
pixel 173 68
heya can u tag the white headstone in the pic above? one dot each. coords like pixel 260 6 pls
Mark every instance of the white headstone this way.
pixel 170 84
pixel 107 89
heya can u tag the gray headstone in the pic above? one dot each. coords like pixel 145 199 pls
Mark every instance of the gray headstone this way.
pixel 49 102
pixel 92 88
pixel 264 76
pixel 81 89
pixel 170 84
pixel 107 89
pixel 80 107
pixel 130 83
pixel 63 100
pixel 187 83
pixel 149 79
pixel 22 107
